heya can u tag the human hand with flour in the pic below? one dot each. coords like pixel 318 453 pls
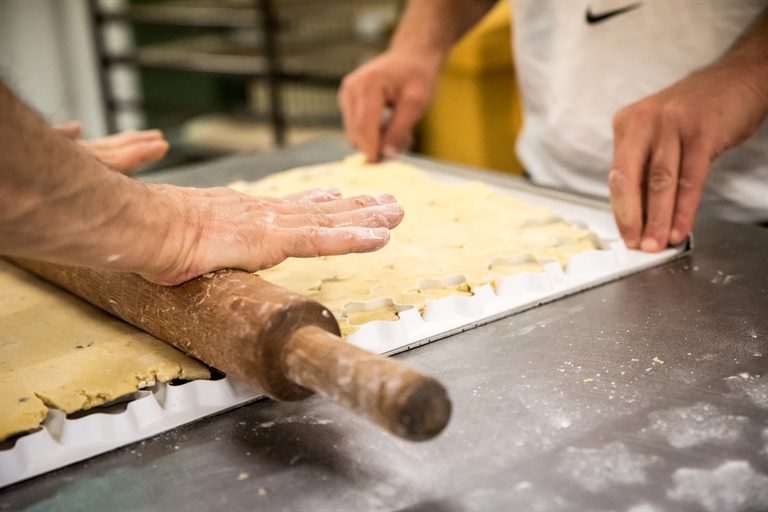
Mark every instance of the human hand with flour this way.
pixel 59 203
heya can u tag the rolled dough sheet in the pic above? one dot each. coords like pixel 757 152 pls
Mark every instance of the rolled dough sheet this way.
pixel 57 351
pixel 455 237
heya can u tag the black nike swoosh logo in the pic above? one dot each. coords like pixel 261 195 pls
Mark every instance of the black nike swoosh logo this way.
pixel 593 19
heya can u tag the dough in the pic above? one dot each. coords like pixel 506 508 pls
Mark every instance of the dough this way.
pixel 57 351
pixel 454 237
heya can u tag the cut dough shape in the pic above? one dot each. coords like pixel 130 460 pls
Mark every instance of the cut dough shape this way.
pixel 57 351
pixel 454 237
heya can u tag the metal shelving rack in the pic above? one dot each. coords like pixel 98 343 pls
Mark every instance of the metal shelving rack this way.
pixel 291 43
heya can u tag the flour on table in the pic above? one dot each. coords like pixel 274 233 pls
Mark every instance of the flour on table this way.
pixel 597 469
pixel 686 427
pixel 755 387
pixel 733 486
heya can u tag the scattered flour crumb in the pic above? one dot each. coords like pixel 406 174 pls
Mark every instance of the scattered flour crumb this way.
pixel 597 469
pixel 685 427
pixel 522 485
pixel 644 507
pixel 732 486
pixel 754 386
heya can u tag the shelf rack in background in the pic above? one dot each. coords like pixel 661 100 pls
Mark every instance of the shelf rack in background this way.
pixel 274 65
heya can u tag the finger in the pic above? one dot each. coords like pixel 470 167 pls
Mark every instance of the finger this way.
pixel 625 179
pixel 145 153
pixel 694 168
pixel 344 101
pixel 123 139
pixel 329 207
pixel 348 102
pixel 72 129
pixel 386 216
pixel 313 195
pixel 127 138
pixel 142 135
pixel 129 149
pixel 365 104
pixel 127 158
pixel 369 126
pixel 661 182
pixel 312 241
pixel 398 132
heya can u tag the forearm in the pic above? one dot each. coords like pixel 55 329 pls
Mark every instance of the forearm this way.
pixel 748 58
pixel 60 204
pixel 430 28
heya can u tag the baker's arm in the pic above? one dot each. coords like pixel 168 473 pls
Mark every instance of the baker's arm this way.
pixel 664 144
pixel 60 204
pixel 403 78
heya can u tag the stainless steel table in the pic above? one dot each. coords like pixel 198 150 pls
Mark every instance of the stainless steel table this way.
pixel 649 393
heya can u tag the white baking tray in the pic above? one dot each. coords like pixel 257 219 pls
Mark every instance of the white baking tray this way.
pixel 63 440
pixel 513 294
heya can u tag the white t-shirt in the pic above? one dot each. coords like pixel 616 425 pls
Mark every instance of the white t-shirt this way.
pixel 579 61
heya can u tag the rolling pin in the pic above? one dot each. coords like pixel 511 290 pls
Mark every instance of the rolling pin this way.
pixel 283 343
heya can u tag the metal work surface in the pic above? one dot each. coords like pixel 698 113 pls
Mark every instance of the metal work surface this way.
pixel 648 393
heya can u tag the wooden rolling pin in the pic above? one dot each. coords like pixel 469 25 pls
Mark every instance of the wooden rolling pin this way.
pixel 285 344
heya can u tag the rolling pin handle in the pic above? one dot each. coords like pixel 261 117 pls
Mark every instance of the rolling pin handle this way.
pixel 384 390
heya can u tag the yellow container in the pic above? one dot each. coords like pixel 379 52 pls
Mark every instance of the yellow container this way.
pixel 476 113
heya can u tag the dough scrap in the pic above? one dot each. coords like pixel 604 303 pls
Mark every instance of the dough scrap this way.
pixel 454 237
pixel 57 351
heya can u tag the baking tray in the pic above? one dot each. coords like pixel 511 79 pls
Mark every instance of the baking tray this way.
pixel 513 294
pixel 63 440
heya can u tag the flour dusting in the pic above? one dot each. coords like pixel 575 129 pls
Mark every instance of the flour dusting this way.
pixel 755 387
pixel 733 486
pixel 686 427
pixel 597 469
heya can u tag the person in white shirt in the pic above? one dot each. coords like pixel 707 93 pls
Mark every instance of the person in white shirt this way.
pixel 660 105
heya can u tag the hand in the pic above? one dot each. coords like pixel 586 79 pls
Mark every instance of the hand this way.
pixel 228 229
pixel 123 151
pixel 403 78
pixel 398 81
pixel 664 145
pixel 74 212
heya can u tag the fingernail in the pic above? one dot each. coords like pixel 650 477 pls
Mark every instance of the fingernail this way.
pixel 649 245
pixel 393 207
pixel 675 237
pixel 385 198
pixel 631 244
